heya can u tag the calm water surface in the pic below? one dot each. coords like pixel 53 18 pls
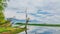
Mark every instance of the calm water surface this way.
pixel 42 30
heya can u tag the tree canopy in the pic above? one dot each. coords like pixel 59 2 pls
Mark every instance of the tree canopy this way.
pixel 2 7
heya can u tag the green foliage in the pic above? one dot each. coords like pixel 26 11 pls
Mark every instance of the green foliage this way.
pixel 0 1
pixel 3 30
pixel 2 17
pixel 11 30
pixel 5 25
pixel 1 8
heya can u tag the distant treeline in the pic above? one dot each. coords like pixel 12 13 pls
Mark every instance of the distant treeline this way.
pixel 57 25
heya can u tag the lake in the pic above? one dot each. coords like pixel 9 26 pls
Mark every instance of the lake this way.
pixel 42 30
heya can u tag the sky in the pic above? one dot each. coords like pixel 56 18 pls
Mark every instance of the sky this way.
pixel 42 11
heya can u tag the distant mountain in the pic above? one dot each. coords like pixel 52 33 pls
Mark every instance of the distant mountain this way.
pixel 14 20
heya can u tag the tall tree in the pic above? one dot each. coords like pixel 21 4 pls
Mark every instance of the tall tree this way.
pixel 2 7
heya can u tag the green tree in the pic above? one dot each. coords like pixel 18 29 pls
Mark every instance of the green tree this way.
pixel 2 7
pixel 5 25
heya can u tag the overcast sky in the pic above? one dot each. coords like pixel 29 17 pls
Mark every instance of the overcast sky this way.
pixel 42 11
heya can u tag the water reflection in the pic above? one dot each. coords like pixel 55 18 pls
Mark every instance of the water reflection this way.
pixel 42 30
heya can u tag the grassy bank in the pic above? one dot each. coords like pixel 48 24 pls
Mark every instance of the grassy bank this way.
pixel 11 30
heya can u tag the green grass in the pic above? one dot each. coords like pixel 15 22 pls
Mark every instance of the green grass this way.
pixel 2 29
pixel 12 30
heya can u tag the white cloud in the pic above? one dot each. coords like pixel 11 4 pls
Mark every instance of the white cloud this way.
pixel 9 13
pixel 50 6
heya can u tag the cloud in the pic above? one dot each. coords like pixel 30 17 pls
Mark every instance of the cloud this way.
pixel 43 11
